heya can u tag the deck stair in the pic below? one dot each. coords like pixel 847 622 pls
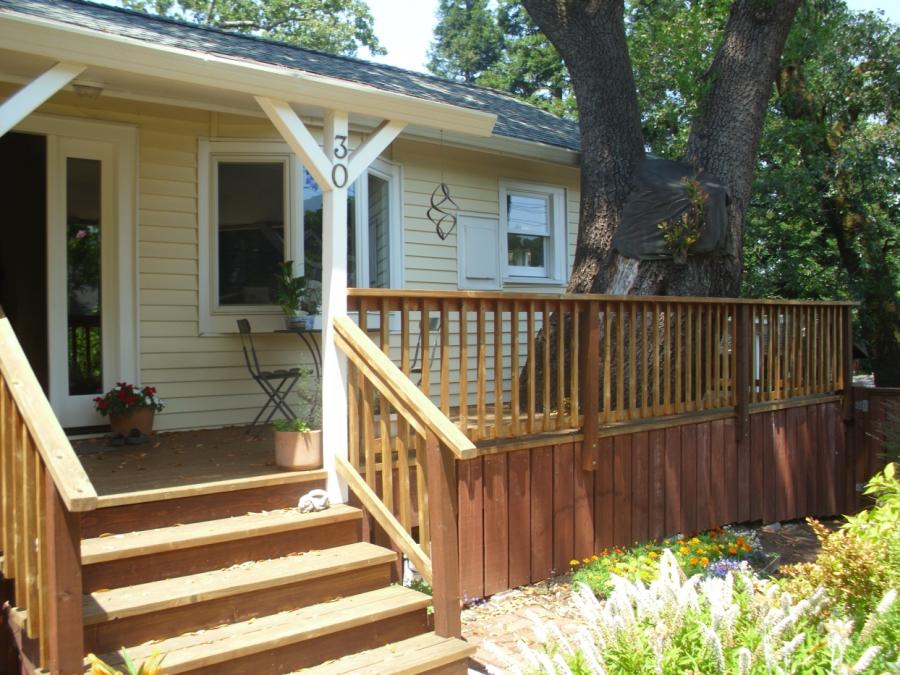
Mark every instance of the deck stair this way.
pixel 273 591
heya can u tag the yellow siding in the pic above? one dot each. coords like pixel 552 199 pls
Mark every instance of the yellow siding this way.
pixel 202 378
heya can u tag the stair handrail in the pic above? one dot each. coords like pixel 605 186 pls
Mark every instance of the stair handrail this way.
pixel 441 444
pixel 44 491
pixel 71 480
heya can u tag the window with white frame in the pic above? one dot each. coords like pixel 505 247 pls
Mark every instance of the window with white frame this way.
pixel 260 207
pixel 532 232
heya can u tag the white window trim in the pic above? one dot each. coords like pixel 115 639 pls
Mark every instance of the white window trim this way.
pixel 215 320
pixel 555 269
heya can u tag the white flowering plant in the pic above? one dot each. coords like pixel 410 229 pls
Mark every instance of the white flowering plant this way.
pixel 738 623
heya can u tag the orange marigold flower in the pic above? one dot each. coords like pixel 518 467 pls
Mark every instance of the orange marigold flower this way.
pixel 695 540
pixel 704 560
pixel 594 557
pixel 693 561
pixel 573 563
pixel 685 550
pixel 732 549
pixel 586 561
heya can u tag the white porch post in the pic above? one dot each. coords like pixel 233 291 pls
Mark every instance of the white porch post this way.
pixel 334 170
pixel 334 299
pixel 25 101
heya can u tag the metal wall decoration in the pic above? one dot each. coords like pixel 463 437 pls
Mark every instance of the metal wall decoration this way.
pixel 443 211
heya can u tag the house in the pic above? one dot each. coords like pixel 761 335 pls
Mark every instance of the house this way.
pixel 155 174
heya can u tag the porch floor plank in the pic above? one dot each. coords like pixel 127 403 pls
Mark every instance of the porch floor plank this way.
pixel 155 596
pixel 148 542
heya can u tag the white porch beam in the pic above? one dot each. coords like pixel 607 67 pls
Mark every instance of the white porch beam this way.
pixel 30 97
pixel 292 129
pixel 372 147
pixel 334 296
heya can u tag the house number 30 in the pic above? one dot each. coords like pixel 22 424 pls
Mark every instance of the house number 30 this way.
pixel 339 170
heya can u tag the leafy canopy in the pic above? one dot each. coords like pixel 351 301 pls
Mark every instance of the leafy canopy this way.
pixel 335 26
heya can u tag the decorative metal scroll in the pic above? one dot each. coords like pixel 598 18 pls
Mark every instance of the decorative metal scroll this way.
pixel 443 211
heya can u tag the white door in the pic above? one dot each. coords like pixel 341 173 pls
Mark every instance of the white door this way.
pixel 82 271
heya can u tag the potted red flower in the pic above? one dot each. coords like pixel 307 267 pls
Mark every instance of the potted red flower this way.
pixel 129 408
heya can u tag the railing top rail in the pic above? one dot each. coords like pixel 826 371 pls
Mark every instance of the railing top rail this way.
pixel 72 483
pixel 580 297
pixel 414 402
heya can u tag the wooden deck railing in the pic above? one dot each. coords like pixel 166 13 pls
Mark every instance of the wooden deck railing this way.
pixel 44 488
pixel 501 364
pixel 395 431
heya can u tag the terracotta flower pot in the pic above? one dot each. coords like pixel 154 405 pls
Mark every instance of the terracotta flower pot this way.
pixel 139 418
pixel 298 450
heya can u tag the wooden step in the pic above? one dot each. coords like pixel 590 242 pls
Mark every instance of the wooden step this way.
pixel 280 643
pixel 149 555
pixel 158 609
pixel 129 511
pixel 419 654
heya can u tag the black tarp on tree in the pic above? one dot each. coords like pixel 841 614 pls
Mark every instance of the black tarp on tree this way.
pixel 659 195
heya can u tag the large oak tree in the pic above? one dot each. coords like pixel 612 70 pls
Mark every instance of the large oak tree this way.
pixel 591 39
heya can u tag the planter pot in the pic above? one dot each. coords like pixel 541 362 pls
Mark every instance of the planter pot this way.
pixel 298 450
pixel 296 320
pixel 139 418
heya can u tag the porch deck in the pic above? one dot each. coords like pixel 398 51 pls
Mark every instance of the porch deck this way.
pixel 184 463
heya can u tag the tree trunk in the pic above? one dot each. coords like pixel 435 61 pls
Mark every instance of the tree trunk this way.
pixel 724 138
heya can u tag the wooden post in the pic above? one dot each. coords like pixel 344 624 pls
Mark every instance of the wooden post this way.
pixel 847 364
pixel 743 377
pixel 444 518
pixel 65 637
pixel 588 361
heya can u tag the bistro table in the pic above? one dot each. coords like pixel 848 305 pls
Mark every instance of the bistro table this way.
pixel 307 336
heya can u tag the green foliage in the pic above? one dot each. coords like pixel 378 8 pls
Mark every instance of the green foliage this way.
pixel 683 232
pixel 297 425
pixel 848 567
pixel 467 40
pixel 335 26
pixel 420 585
pixel 288 288
pixel 152 666
pixel 880 524
pixel 737 624
pixel 695 555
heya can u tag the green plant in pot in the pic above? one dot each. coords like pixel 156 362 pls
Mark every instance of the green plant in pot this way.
pixel 289 293
pixel 297 446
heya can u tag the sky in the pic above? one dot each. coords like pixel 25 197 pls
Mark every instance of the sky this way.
pixel 404 27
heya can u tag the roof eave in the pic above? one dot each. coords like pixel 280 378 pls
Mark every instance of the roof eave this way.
pixel 65 42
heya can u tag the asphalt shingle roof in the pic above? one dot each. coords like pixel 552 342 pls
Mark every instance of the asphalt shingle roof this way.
pixel 515 119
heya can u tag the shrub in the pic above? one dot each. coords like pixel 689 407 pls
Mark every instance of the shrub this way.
pixel 737 624
pixel 722 549
pixel 881 523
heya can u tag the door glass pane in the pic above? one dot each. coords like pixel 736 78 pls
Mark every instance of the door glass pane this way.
pixel 312 231
pixel 83 208
pixel 379 233
pixel 251 216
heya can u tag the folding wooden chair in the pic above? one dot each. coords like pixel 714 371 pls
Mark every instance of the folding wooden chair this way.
pixel 277 384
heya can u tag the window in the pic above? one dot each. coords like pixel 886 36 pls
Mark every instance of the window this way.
pixel 260 207
pixel 532 233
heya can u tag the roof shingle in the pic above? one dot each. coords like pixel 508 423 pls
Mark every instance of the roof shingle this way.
pixel 515 119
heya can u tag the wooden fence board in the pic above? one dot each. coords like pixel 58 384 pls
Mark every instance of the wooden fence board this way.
pixel 657 483
pixel 563 509
pixel 640 476
pixel 705 519
pixel 718 488
pixel 541 513
pixel 769 468
pixel 604 503
pixel 757 452
pixel 496 525
pixel 689 478
pixel 583 506
pixel 731 470
pixel 674 519
pixel 622 490
pixel 519 470
pixel 471 528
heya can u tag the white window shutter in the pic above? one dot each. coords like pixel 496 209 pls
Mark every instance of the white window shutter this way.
pixel 478 253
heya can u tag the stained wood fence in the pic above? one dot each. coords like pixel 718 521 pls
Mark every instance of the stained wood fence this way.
pixel 602 421
pixel 43 490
